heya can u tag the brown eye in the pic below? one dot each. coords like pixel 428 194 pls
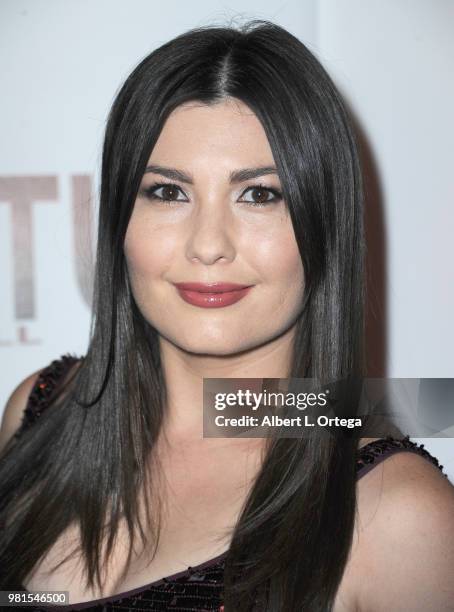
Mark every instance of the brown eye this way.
pixel 261 195
pixel 169 192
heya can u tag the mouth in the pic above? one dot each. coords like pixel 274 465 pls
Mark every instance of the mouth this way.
pixel 212 295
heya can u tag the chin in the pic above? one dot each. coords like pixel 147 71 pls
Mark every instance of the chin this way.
pixel 213 347
pixel 215 344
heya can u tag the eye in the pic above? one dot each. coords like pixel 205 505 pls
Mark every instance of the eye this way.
pixel 261 195
pixel 169 192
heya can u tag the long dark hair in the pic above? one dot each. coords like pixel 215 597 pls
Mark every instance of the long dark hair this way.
pixel 292 540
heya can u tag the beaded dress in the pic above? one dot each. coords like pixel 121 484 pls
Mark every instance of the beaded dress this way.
pixel 198 588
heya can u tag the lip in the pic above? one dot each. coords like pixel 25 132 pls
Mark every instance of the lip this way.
pixel 212 295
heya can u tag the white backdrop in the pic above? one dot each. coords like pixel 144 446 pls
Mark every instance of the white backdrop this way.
pixel 61 64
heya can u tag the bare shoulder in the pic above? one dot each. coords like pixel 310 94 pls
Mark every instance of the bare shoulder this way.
pixel 404 552
pixel 17 402
pixel 15 406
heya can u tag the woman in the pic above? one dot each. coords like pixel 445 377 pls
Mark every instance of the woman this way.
pixel 228 158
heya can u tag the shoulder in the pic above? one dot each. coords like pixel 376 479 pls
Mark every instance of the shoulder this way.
pixel 33 390
pixel 15 406
pixel 406 535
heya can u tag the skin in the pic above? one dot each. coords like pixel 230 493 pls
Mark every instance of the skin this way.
pixel 405 522
pixel 404 505
pixel 215 233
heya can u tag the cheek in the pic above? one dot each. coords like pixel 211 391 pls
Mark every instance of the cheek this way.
pixel 277 256
pixel 148 252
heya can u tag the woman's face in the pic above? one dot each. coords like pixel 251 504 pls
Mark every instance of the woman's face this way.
pixel 206 226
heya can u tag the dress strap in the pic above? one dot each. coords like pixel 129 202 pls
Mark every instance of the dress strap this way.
pixel 44 389
pixel 377 451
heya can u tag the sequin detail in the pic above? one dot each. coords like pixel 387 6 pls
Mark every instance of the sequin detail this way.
pixel 375 452
pixel 198 588
pixel 44 388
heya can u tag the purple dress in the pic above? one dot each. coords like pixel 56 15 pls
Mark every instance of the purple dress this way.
pixel 198 588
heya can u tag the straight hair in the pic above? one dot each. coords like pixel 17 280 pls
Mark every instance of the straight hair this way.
pixel 94 444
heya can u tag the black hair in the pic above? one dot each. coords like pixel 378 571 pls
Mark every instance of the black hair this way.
pixel 293 537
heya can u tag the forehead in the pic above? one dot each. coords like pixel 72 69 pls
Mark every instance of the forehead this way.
pixel 226 130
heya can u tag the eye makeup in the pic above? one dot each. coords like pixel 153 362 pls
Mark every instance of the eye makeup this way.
pixel 172 190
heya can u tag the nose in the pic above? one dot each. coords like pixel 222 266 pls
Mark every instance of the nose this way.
pixel 211 234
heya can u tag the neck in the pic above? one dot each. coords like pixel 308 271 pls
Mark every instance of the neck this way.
pixel 184 373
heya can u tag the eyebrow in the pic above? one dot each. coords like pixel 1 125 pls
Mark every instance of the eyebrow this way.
pixel 236 176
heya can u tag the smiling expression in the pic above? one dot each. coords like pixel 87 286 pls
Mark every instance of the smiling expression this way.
pixel 210 210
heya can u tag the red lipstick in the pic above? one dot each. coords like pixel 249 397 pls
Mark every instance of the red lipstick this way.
pixel 212 295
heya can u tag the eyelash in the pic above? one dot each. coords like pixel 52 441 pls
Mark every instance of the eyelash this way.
pixel 150 193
